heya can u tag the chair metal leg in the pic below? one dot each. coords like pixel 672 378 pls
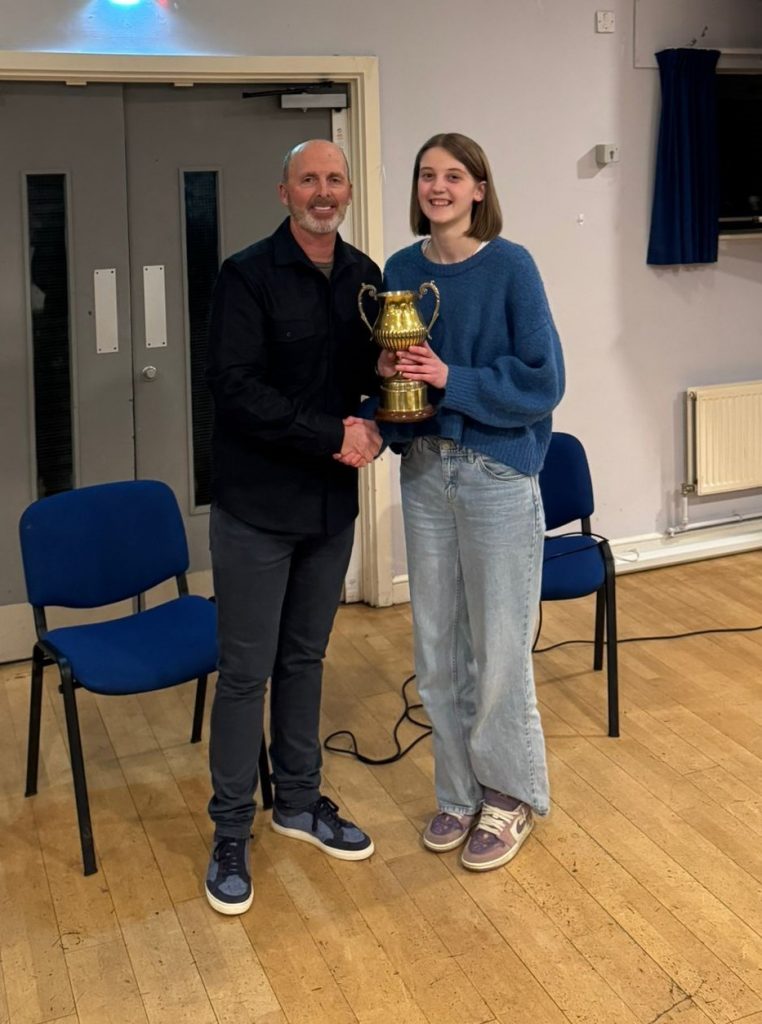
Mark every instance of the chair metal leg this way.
pixel 612 665
pixel 600 611
pixel 78 770
pixel 35 715
pixel 265 784
pixel 198 710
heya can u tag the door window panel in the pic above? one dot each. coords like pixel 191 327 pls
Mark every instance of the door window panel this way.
pixel 49 299
pixel 202 260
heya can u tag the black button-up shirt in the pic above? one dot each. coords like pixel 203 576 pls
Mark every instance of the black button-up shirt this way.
pixel 289 357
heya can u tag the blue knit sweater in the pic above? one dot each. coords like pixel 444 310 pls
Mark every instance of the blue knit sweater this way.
pixel 497 336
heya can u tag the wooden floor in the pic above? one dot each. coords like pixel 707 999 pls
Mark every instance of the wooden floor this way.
pixel 638 900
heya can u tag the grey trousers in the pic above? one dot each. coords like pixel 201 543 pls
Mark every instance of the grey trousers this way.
pixel 277 596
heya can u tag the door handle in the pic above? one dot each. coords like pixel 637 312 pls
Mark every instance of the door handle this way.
pixel 149 373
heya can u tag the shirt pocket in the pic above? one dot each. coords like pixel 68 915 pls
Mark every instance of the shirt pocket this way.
pixel 291 332
pixel 294 352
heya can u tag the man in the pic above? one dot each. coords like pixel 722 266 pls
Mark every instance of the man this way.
pixel 289 360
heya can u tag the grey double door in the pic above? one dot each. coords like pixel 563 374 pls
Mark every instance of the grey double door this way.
pixel 117 204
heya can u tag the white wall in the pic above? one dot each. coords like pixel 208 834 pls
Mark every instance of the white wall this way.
pixel 718 24
pixel 534 83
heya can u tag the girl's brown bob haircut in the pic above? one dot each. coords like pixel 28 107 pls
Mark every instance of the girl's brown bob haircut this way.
pixel 486 217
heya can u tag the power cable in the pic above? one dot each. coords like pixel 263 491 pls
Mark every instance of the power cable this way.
pixel 405 716
pixel 353 751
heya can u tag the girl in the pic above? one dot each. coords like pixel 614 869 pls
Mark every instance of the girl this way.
pixel 473 514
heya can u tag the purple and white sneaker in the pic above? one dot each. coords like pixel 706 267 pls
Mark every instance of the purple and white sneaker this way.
pixel 445 831
pixel 498 837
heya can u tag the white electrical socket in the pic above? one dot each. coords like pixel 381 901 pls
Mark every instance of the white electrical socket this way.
pixel 605 21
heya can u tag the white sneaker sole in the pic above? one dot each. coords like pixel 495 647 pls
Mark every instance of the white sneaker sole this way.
pixel 306 837
pixel 443 847
pixel 230 909
pixel 508 855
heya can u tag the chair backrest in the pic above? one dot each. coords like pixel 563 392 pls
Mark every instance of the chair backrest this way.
pixel 97 545
pixel 565 484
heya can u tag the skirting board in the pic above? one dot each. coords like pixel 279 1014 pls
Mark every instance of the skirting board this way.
pixel 400 589
pixel 656 550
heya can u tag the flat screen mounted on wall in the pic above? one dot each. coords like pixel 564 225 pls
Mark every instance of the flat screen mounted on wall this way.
pixel 739 137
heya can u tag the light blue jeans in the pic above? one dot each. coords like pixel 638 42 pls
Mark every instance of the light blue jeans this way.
pixel 474 532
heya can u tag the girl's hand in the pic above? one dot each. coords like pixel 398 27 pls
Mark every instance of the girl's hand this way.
pixel 420 362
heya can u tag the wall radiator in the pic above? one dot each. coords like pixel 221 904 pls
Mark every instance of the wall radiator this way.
pixel 723 450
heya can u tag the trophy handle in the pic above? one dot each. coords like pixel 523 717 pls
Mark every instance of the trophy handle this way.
pixel 430 286
pixel 373 293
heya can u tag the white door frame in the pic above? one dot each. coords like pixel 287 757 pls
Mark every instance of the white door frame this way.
pixel 360 74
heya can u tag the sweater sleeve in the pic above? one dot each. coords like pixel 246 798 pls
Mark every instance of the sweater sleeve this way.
pixel 237 372
pixel 524 385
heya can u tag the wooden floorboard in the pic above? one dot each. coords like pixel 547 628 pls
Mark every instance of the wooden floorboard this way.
pixel 637 901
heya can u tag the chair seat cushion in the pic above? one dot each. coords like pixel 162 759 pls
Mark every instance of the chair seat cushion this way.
pixel 162 646
pixel 572 567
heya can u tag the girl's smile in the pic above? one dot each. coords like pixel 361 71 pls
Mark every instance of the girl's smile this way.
pixel 446 190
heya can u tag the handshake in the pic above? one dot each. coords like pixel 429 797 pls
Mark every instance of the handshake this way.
pixel 362 442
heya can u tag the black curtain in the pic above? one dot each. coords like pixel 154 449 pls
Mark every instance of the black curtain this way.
pixel 684 224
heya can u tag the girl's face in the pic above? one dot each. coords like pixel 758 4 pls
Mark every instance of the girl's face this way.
pixel 446 190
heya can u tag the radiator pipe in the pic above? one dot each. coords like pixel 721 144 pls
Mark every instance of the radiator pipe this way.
pixel 685 526
pixel 684 520
pixel 690 448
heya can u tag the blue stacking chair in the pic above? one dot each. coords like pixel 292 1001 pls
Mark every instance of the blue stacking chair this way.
pixel 579 564
pixel 92 547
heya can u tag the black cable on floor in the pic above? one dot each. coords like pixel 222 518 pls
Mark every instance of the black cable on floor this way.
pixel 640 639
pixel 405 716
pixel 664 636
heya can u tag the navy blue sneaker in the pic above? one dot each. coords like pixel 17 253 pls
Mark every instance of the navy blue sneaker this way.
pixel 228 882
pixel 321 825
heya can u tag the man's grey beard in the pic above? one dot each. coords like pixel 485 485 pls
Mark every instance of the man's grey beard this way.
pixel 319 227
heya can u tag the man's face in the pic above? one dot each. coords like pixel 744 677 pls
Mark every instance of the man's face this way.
pixel 317 192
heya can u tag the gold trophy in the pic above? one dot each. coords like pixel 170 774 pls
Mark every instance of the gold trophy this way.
pixel 397 327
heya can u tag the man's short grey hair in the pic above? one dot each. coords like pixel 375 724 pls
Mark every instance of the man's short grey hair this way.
pixel 303 145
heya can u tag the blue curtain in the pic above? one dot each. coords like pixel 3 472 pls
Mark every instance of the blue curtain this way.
pixel 684 217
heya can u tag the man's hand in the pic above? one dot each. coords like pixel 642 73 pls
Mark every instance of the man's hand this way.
pixel 362 442
pixel 420 362
pixel 387 363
